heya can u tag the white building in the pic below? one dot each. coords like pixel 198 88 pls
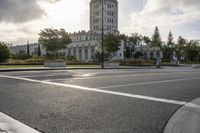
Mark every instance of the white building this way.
pixel 31 49
pixel 84 44
pixel 110 16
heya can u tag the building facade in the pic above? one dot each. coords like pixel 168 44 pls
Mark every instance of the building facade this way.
pixel 85 45
pixel 31 49
pixel 109 14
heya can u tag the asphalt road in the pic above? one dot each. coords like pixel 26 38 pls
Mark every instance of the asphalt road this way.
pixel 98 101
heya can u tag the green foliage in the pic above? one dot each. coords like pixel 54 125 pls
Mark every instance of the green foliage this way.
pixel 54 40
pixel 124 38
pixel 4 52
pixel 147 40
pixel 180 47
pixel 111 43
pixel 22 55
pixel 156 39
pixel 192 50
pixel 170 41
pixel 135 38
pixel 169 48
pixel 70 58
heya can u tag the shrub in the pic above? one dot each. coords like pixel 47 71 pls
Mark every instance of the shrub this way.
pixel 4 52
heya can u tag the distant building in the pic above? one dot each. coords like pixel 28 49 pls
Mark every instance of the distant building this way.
pixel 85 45
pixel 110 16
pixel 31 49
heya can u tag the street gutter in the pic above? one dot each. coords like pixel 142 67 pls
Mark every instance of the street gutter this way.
pixel 67 68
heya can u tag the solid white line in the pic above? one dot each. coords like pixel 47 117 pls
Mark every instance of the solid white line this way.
pixel 10 125
pixel 101 91
pixel 147 83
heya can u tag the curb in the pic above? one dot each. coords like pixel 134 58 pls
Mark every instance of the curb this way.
pixel 11 125
pixel 72 68
pixel 186 119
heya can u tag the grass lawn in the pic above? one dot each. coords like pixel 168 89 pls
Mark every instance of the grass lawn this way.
pixel 19 66
pixel 83 65
pixel 32 66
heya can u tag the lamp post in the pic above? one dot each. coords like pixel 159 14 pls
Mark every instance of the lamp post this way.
pixel 102 37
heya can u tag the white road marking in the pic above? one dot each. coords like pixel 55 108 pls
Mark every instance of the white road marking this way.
pixel 147 83
pixel 79 77
pixel 111 76
pixel 49 75
pixel 169 101
pixel 10 125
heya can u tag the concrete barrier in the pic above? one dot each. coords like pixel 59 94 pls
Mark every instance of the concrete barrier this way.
pixel 55 64
pixel 196 65
pixel 114 65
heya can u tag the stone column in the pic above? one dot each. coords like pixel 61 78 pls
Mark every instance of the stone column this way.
pixel 89 53
pixel 83 53
pixel 77 53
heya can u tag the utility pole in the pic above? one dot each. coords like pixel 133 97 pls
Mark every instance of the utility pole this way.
pixel 102 37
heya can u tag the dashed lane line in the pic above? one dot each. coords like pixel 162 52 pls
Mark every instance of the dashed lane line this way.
pixel 169 101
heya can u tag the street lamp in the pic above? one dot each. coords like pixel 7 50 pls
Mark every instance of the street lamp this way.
pixel 102 37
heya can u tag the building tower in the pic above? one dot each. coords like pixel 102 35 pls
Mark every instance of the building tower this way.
pixel 110 16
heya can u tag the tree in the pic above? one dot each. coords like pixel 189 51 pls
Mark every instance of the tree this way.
pixel 156 43
pixel 133 40
pixel 181 43
pixel 54 40
pixel 4 52
pixel 124 38
pixel 111 43
pixel 156 39
pixel 39 50
pixel 147 40
pixel 192 50
pixel 169 49
pixel 170 41
pixel 22 55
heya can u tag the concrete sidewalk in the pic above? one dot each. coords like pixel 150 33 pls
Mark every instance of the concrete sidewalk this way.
pixel 186 119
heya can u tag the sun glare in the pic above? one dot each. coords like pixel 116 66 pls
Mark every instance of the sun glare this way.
pixel 64 14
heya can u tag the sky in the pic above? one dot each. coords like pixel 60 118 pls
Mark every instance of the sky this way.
pixel 22 20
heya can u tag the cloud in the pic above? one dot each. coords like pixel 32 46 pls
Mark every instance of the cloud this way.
pixel 21 20
pixel 170 15
pixel 20 11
